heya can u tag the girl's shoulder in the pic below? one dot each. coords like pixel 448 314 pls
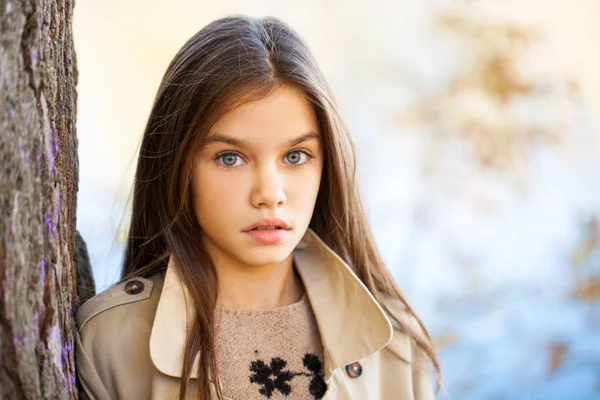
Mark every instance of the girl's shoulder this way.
pixel 112 328
pixel 112 300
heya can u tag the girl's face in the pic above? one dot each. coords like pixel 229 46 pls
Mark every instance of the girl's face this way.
pixel 261 160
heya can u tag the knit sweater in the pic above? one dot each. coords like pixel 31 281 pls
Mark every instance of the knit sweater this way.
pixel 270 354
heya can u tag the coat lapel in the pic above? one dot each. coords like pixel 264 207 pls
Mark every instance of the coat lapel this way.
pixel 351 322
pixel 167 339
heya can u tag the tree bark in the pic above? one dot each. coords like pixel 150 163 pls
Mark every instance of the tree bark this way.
pixel 38 194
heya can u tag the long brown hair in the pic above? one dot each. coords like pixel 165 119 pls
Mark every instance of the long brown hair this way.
pixel 231 61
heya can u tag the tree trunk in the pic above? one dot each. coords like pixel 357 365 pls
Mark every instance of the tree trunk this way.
pixel 38 193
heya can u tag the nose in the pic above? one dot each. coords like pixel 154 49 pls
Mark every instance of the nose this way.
pixel 269 188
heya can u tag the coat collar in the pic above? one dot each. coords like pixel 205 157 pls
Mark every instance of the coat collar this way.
pixel 351 322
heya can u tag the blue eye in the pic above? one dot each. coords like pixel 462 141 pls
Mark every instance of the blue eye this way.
pixel 295 160
pixel 229 159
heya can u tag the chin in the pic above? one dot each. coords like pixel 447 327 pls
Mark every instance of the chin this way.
pixel 267 254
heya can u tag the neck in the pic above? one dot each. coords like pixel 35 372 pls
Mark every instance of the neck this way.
pixel 258 287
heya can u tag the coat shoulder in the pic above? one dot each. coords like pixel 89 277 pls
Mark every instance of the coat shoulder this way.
pixel 115 322
pixel 124 294
pixel 406 326
pixel 402 317
pixel 404 345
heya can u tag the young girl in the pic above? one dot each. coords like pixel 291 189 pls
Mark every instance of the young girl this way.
pixel 250 270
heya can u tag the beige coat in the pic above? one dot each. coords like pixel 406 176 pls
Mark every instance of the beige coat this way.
pixel 130 338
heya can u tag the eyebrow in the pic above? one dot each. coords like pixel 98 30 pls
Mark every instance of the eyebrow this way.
pixel 220 137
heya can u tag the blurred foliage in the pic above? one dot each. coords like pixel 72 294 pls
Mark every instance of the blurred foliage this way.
pixel 584 260
pixel 590 242
pixel 445 339
pixel 479 103
pixel 587 289
pixel 556 355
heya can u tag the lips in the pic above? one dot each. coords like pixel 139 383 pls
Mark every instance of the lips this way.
pixel 268 224
pixel 268 236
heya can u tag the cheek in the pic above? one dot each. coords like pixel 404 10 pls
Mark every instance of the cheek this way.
pixel 304 189
pixel 215 197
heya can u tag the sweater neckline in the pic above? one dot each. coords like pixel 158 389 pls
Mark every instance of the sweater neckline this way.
pixel 264 311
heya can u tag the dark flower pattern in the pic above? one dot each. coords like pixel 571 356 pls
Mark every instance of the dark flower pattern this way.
pixel 262 376
pixel 317 385
pixel 273 377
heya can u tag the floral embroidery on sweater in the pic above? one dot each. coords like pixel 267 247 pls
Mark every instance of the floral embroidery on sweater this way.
pixel 262 376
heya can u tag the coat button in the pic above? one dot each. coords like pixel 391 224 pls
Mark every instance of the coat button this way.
pixel 354 370
pixel 134 287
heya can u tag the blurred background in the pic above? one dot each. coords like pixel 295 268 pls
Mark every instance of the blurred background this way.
pixel 477 125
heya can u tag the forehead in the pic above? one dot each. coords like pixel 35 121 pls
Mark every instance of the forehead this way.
pixel 283 115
